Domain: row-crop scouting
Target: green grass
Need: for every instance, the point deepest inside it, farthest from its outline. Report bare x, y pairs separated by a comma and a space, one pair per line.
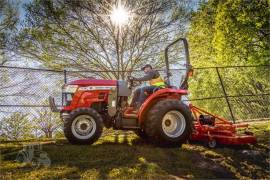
129, 157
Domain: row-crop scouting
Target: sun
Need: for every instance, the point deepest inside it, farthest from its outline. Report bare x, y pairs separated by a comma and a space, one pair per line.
119, 15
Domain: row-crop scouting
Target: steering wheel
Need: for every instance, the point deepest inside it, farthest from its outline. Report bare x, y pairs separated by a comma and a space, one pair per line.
132, 83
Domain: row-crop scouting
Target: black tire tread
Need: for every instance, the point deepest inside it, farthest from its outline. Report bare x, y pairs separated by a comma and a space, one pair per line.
154, 118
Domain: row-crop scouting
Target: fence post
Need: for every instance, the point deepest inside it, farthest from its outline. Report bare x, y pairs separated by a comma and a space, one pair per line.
65, 76
225, 94
65, 81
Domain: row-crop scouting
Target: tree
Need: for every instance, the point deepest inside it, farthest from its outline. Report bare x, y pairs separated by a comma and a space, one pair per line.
80, 35
8, 21
231, 32
12, 84
242, 32
16, 126
47, 122
17, 85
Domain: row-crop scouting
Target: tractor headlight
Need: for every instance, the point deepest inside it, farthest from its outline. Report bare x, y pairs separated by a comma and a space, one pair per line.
70, 88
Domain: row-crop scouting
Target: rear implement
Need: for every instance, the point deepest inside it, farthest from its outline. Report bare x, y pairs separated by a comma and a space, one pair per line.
215, 130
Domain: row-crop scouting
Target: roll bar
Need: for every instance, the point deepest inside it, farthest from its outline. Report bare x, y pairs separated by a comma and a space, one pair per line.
184, 84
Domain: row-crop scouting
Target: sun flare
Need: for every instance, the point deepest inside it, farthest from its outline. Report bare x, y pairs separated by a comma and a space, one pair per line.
119, 15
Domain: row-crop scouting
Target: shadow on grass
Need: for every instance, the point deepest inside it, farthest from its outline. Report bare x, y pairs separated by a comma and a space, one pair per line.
124, 156
121, 157
245, 161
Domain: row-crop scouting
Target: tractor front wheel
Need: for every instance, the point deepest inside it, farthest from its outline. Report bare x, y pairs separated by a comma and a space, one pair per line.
84, 126
169, 123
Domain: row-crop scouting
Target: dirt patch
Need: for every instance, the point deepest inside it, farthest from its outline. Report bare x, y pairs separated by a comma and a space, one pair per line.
212, 166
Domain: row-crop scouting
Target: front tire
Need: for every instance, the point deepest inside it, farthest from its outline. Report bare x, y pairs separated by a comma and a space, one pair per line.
84, 126
169, 123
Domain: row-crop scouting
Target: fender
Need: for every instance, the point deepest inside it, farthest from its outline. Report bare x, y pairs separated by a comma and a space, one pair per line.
160, 94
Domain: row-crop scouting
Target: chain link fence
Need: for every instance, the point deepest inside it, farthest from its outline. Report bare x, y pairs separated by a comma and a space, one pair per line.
239, 93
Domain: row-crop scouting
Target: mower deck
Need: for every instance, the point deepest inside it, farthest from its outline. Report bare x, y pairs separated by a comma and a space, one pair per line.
215, 130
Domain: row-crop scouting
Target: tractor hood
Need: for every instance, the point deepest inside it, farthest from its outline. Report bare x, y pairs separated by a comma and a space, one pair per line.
93, 82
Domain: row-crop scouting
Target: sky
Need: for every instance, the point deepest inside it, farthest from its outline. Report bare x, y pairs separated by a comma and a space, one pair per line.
21, 8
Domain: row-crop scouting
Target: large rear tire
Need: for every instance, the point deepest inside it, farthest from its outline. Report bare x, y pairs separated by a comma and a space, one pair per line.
84, 126
169, 123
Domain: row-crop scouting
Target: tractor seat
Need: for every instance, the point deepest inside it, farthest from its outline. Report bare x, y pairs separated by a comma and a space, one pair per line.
154, 90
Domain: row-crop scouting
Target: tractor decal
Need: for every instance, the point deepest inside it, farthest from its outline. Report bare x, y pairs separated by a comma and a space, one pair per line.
94, 88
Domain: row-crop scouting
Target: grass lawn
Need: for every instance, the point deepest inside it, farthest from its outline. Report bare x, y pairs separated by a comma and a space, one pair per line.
129, 157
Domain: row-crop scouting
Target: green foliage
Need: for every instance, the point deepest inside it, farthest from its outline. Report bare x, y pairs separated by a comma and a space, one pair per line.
47, 122
231, 32
242, 32
226, 33
8, 21
15, 127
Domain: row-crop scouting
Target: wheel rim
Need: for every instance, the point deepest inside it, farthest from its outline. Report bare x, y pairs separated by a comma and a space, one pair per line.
83, 127
173, 124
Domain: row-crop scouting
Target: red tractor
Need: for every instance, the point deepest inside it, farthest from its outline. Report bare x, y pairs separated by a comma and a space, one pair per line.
91, 104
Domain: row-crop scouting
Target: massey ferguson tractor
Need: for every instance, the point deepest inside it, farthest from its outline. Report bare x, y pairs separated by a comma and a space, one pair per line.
163, 118
91, 104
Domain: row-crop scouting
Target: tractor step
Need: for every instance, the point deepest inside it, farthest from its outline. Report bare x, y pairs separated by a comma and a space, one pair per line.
129, 123
130, 116
126, 123
130, 127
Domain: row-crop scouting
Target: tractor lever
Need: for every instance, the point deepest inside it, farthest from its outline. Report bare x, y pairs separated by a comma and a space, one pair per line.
131, 81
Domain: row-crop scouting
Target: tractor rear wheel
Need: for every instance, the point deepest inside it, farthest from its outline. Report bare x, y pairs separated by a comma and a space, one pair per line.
169, 123
84, 126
